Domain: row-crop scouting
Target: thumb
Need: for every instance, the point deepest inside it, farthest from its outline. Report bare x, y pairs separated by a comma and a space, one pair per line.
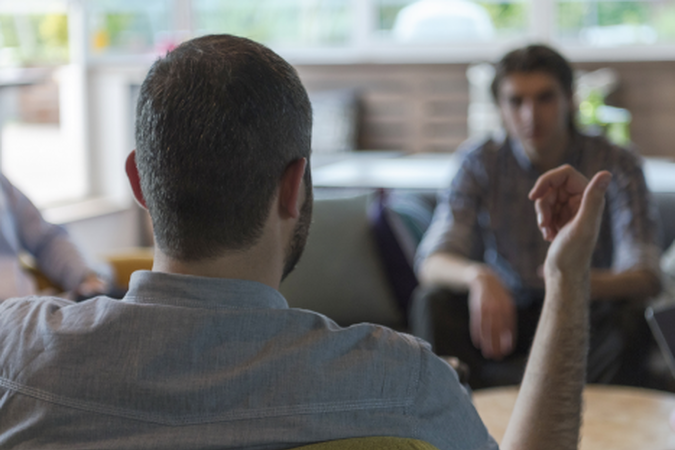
593, 200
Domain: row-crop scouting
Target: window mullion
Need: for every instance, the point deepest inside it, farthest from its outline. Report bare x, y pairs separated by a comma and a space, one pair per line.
73, 95
183, 20
364, 24
542, 20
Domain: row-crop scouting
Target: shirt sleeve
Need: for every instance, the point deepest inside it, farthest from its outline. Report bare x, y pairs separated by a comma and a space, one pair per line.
56, 255
634, 224
454, 226
445, 413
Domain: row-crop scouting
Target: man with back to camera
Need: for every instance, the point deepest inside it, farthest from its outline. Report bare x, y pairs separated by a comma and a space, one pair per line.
203, 352
486, 208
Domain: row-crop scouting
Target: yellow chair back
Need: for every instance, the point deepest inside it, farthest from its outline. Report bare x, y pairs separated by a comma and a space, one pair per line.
371, 443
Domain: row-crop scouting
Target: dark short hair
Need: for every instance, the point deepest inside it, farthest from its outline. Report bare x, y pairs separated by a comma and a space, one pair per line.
218, 121
534, 58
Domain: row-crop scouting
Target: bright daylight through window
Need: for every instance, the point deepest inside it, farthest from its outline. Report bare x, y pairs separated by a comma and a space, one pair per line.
38, 144
615, 23
51, 51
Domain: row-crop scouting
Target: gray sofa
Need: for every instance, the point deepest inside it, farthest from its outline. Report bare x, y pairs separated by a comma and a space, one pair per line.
347, 275
343, 273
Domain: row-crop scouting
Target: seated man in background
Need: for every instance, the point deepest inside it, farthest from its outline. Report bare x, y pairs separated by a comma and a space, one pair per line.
480, 261
22, 229
203, 351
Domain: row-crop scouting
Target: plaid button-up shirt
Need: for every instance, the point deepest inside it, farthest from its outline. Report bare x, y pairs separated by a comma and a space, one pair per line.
486, 215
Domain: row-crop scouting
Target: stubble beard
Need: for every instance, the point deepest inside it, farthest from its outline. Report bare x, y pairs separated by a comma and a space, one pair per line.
300, 234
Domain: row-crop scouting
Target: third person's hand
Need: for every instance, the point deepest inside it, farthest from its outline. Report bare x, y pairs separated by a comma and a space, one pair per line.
492, 315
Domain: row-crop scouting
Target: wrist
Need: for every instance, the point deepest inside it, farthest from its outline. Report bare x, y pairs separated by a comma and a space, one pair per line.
480, 274
572, 284
578, 274
89, 276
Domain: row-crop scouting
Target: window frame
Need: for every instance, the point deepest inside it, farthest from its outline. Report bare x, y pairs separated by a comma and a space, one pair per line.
365, 47
104, 150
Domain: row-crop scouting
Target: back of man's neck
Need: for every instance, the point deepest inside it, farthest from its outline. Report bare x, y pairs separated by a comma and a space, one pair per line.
231, 265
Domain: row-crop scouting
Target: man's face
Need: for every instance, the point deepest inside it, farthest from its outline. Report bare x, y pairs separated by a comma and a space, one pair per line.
535, 110
300, 233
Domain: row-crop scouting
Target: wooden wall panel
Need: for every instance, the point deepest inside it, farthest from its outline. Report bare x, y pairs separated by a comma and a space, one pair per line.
416, 108
647, 90
423, 107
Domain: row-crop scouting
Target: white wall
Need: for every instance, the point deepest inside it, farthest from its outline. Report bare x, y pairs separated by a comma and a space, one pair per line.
109, 220
108, 233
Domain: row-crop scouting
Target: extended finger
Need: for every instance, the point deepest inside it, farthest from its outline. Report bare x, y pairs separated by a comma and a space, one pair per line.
544, 209
475, 328
508, 335
499, 336
592, 202
487, 345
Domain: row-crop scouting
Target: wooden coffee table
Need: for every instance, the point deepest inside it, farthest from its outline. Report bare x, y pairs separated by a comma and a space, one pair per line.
615, 417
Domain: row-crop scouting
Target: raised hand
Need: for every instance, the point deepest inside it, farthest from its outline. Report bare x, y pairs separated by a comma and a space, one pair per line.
569, 212
548, 410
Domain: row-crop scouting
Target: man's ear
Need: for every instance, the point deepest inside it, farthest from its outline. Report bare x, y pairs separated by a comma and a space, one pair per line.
290, 192
134, 179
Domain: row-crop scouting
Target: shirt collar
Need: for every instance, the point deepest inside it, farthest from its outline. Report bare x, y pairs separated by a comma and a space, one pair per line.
519, 153
204, 292
571, 156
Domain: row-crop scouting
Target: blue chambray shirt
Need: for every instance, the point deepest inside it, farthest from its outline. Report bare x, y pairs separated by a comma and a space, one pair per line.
486, 214
22, 228
201, 363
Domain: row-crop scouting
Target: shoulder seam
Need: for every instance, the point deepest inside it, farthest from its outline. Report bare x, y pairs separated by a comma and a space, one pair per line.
93, 407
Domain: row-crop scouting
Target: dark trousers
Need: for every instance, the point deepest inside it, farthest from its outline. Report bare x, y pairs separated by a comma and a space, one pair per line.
617, 351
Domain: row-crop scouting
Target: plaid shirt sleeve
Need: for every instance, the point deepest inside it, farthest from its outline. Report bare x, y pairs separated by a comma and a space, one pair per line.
454, 227
634, 224
24, 227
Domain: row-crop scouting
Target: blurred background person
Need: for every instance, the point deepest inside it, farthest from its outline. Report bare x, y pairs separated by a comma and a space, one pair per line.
23, 229
480, 261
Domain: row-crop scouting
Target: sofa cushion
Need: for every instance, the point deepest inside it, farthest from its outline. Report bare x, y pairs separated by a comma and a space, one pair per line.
340, 273
399, 219
665, 204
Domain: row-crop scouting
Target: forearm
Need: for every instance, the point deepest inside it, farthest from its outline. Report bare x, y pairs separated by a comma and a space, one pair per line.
638, 284
63, 263
548, 410
453, 271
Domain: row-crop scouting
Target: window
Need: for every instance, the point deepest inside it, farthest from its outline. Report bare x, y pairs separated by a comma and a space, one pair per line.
277, 22
38, 143
309, 31
125, 27
33, 33
451, 21
38, 150
610, 23
91, 52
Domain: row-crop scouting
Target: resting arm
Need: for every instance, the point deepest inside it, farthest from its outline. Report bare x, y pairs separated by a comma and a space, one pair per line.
492, 311
548, 409
56, 255
638, 284
632, 218
451, 270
